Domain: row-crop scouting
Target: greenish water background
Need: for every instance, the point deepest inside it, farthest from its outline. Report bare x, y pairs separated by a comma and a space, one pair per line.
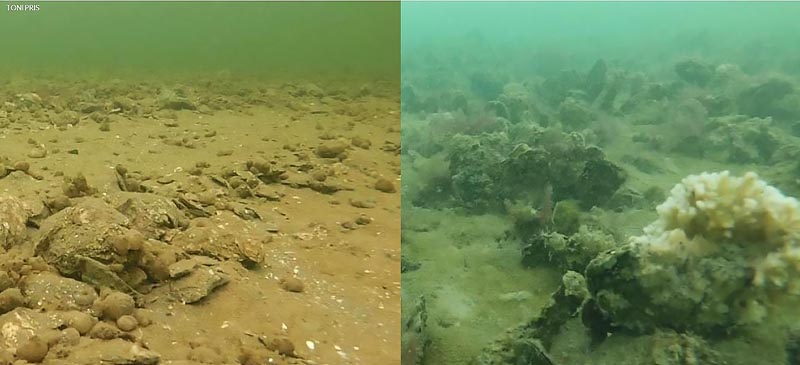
271, 39
558, 20
750, 33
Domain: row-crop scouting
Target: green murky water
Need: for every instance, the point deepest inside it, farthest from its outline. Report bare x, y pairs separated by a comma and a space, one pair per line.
276, 39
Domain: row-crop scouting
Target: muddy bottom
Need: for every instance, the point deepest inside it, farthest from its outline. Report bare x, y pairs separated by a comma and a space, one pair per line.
246, 228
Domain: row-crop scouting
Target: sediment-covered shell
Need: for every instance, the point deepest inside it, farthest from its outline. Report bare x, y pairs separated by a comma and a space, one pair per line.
13, 217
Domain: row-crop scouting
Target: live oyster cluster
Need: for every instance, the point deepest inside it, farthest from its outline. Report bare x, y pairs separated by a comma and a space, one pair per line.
567, 152
120, 245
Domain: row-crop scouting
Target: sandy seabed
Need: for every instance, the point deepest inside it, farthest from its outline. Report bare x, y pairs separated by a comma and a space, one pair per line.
211, 223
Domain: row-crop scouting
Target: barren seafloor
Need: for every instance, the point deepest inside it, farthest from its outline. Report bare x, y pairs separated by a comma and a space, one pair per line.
304, 173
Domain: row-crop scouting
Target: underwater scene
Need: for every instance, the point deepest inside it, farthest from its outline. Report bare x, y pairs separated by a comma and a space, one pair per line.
200, 183
600, 183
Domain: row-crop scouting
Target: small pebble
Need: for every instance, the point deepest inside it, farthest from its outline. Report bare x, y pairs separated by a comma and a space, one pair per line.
283, 346
116, 305
127, 323
11, 298
37, 153
70, 336
385, 185
330, 151
135, 239
105, 331
361, 142
58, 203
143, 317
362, 203
292, 284
120, 245
319, 175
80, 321
50, 336
34, 350
23, 166
363, 220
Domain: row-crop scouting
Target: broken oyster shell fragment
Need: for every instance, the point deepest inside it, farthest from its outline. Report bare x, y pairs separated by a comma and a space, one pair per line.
91, 228
224, 236
14, 216
150, 214
91, 241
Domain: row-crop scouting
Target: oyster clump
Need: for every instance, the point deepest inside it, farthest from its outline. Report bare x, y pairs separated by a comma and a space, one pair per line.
91, 241
13, 218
